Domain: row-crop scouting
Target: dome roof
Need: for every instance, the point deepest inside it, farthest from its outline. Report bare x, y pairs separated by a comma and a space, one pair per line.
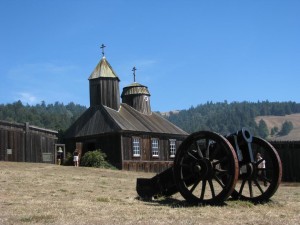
135, 89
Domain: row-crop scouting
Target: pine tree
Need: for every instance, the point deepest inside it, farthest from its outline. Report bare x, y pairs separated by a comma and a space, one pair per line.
263, 129
286, 128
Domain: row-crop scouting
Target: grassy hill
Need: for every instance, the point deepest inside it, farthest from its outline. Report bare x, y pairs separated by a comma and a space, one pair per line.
277, 121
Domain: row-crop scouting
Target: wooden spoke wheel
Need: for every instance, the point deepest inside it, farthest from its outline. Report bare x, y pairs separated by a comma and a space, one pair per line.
259, 180
205, 168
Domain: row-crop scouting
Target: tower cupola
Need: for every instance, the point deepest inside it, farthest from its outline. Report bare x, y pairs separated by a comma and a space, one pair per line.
137, 96
104, 85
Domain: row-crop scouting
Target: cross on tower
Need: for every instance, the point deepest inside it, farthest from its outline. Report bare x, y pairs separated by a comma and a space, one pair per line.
102, 47
134, 69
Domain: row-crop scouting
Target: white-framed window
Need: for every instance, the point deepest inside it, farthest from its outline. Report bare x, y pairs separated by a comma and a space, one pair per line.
136, 147
155, 147
172, 147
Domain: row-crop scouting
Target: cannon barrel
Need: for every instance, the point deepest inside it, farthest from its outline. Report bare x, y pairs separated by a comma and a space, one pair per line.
239, 138
243, 136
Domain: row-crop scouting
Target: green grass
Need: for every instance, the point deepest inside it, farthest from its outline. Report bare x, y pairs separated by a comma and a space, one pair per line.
103, 199
38, 219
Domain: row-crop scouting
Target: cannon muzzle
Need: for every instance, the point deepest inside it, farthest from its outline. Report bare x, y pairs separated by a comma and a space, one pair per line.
239, 138
243, 136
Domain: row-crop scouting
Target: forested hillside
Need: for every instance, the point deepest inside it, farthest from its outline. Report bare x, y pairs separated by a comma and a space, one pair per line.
220, 117
55, 116
229, 117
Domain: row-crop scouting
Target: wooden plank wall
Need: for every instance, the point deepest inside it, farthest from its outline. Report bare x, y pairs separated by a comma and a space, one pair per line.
146, 162
27, 143
138, 102
289, 153
145, 143
105, 91
11, 138
146, 166
109, 144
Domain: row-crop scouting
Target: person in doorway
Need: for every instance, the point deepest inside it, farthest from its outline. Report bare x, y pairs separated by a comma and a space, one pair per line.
58, 159
261, 168
76, 158
59, 156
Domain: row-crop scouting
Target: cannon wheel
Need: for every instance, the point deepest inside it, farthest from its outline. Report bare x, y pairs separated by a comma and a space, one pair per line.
205, 168
258, 184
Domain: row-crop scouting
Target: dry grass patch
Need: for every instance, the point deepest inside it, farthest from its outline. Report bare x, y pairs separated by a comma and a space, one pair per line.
277, 121
51, 194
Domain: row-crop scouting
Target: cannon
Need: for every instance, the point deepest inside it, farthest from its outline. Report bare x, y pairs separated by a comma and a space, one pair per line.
209, 167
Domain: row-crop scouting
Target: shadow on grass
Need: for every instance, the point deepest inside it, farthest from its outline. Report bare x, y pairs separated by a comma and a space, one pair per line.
175, 203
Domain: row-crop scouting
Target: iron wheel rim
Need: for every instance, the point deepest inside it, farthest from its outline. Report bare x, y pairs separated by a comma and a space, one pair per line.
205, 168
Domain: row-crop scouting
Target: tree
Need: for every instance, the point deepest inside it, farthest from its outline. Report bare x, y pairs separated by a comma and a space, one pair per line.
274, 130
263, 129
286, 128
52, 116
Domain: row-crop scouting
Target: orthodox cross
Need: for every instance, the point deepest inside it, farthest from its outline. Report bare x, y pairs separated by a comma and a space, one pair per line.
134, 69
102, 47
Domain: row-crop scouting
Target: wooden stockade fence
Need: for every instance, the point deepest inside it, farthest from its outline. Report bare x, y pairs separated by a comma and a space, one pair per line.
289, 152
27, 143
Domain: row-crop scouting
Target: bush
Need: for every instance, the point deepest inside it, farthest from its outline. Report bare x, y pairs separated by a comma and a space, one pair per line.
95, 158
68, 161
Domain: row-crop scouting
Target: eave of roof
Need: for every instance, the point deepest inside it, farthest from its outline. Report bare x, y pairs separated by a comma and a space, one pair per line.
100, 120
130, 119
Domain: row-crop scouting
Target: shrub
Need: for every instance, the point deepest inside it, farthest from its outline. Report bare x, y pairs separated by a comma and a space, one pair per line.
95, 158
68, 160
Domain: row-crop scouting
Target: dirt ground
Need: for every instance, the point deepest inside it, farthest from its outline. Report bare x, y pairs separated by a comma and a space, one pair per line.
50, 194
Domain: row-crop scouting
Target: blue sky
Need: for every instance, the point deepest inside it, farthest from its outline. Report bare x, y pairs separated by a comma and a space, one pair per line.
186, 52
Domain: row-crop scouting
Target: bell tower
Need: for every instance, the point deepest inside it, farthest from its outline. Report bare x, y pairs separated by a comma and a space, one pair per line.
104, 85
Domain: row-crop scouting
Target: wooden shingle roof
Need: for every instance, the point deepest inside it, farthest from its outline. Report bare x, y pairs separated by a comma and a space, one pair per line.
103, 69
130, 119
100, 119
135, 89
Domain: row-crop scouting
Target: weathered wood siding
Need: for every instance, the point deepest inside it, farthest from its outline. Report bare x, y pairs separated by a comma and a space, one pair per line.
289, 153
109, 144
105, 91
147, 166
146, 162
25, 143
40, 147
12, 143
139, 102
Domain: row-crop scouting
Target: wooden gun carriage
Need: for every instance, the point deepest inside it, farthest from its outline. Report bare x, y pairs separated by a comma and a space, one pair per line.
209, 167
